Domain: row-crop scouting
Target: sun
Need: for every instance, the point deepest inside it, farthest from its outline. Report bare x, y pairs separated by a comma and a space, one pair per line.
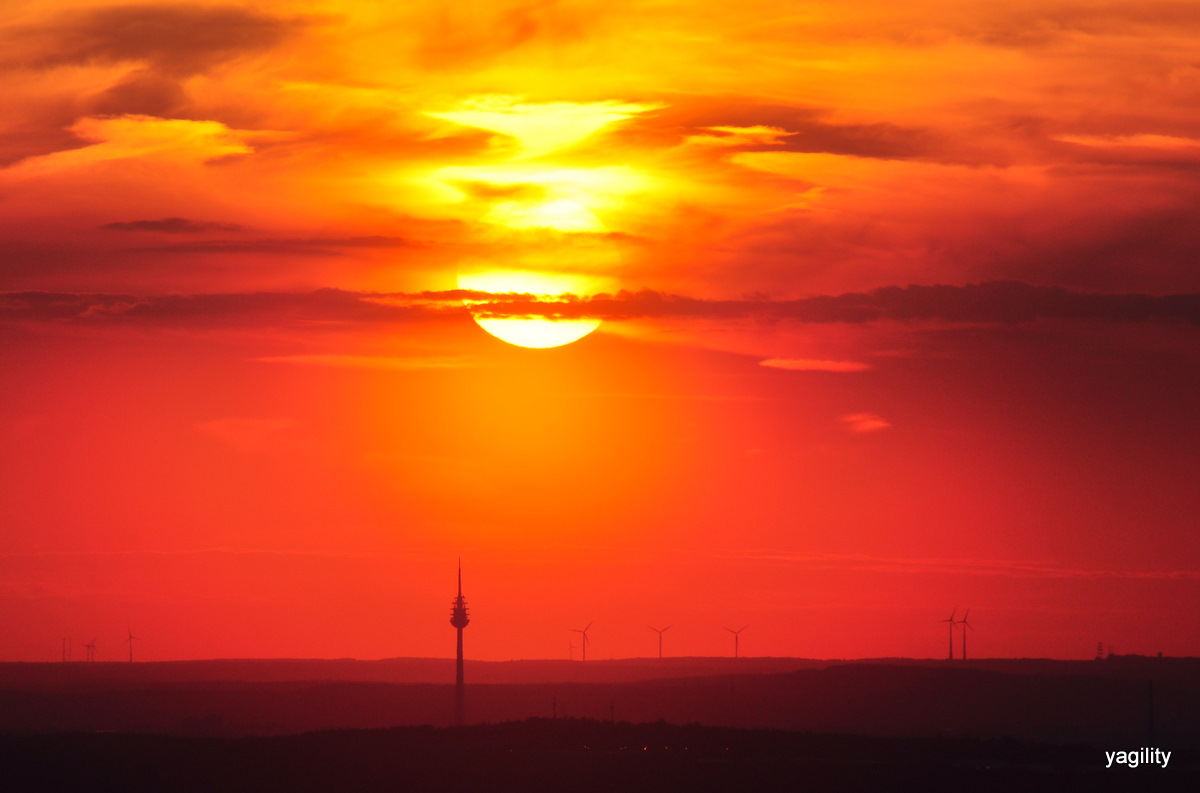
537, 332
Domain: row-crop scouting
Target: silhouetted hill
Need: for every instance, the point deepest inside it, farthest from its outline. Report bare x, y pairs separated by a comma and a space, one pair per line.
1041, 700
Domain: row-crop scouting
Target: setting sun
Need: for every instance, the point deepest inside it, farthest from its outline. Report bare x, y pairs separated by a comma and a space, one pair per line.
529, 331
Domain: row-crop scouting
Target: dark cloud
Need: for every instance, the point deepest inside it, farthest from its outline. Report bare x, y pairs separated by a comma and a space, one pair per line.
300, 246
814, 132
999, 302
178, 40
323, 305
173, 226
170, 43
992, 302
143, 92
34, 140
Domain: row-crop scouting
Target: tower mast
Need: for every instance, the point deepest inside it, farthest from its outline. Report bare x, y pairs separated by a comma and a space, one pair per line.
460, 620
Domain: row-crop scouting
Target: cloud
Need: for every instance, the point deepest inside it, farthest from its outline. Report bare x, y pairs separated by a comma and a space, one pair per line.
1146, 141
813, 365
172, 226
862, 423
298, 246
473, 33
144, 137
992, 302
723, 123
988, 303
942, 566
374, 361
324, 305
179, 40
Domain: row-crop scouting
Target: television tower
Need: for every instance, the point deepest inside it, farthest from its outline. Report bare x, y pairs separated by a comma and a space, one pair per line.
460, 620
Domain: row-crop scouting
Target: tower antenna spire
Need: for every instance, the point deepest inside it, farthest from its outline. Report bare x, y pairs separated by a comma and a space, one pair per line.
459, 619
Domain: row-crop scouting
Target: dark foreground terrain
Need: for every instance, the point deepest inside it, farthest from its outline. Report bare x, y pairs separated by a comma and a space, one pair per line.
569, 755
679, 725
1110, 703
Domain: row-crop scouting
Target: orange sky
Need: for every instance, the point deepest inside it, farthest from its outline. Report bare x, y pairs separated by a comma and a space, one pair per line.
246, 411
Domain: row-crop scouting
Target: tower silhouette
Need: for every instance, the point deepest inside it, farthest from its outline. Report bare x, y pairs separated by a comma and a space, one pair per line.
584, 642
737, 635
951, 623
460, 620
963, 622
660, 632
130, 642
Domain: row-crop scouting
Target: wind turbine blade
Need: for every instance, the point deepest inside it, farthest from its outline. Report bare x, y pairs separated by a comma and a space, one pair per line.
744, 627
664, 630
586, 629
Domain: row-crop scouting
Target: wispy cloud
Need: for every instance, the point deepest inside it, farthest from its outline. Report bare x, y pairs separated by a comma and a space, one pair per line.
814, 365
173, 226
925, 565
374, 361
862, 423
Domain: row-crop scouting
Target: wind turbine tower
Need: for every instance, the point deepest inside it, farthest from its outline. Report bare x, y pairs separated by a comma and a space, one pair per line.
736, 636
130, 642
963, 622
951, 623
460, 620
660, 633
584, 643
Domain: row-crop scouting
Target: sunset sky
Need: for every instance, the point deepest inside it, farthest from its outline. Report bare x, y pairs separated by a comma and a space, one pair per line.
885, 311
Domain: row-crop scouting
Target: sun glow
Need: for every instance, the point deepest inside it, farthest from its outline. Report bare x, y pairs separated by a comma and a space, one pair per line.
560, 215
541, 214
540, 128
537, 332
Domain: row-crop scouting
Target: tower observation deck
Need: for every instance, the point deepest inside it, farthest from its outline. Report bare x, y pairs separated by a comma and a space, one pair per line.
459, 619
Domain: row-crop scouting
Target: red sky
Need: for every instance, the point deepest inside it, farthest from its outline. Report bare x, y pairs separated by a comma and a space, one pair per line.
897, 314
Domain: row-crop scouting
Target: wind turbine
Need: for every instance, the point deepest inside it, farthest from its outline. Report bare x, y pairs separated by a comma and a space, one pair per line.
951, 623
660, 633
571, 645
963, 622
736, 635
584, 643
91, 650
130, 642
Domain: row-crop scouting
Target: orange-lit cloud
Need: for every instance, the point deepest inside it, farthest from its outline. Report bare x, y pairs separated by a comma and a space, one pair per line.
861, 423
814, 365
